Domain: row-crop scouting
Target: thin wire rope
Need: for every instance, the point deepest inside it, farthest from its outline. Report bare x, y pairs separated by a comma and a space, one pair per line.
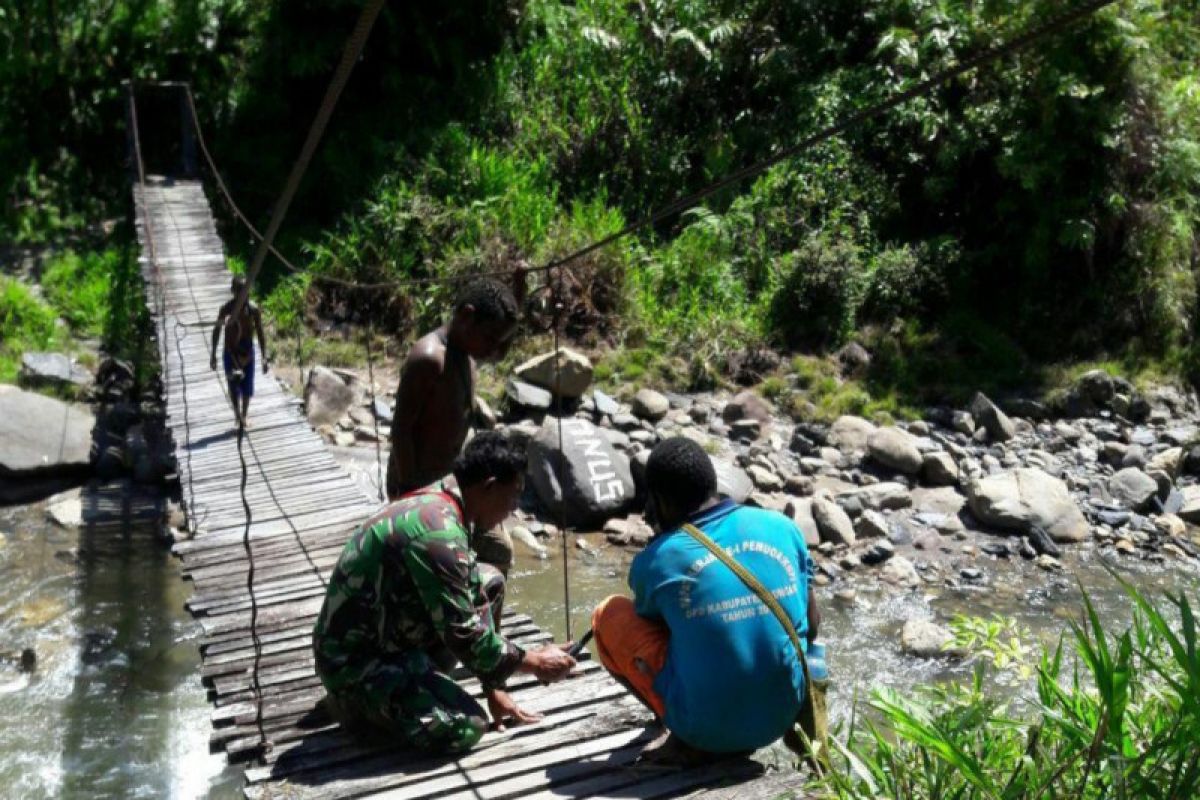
686, 202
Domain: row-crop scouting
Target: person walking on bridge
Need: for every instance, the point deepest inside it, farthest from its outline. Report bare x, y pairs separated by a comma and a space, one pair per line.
696, 644
407, 600
238, 356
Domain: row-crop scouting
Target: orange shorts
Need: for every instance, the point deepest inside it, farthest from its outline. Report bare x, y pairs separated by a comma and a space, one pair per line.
622, 636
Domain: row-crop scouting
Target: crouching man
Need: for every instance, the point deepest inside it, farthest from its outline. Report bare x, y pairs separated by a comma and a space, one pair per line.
695, 643
407, 601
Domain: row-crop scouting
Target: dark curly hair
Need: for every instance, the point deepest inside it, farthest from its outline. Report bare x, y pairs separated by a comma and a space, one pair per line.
489, 455
491, 300
680, 472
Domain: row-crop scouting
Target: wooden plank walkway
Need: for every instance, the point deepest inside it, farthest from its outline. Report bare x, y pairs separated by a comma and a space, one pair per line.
301, 506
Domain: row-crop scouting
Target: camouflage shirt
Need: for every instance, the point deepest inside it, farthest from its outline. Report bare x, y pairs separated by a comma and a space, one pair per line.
406, 581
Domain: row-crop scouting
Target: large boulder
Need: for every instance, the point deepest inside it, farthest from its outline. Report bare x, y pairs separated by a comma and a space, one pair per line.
988, 415
1133, 489
1025, 498
895, 449
850, 434
574, 372
43, 437
588, 481
651, 405
327, 397
52, 370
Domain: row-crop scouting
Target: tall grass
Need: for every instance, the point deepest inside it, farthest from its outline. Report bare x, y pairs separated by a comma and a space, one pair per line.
26, 323
1113, 715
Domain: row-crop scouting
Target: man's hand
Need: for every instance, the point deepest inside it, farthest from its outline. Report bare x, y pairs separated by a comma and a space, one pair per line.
503, 708
549, 664
212, 362
266, 366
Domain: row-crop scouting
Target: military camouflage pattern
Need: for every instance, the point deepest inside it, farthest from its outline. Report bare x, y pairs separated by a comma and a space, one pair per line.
405, 601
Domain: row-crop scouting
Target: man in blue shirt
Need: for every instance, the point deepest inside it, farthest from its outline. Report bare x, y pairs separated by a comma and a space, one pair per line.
695, 643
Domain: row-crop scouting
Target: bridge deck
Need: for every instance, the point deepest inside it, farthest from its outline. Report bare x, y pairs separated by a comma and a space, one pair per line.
301, 506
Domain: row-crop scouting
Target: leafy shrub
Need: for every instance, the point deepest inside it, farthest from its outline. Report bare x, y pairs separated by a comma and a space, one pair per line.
820, 292
1114, 715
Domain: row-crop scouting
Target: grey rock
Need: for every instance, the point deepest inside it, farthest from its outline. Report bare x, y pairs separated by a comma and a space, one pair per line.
526, 395
573, 371
732, 482
963, 422
853, 358
899, 571
1133, 489
1169, 461
605, 404
745, 430
850, 434
327, 397
1041, 542
764, 478
651, 405
997, 549
747, 405
877, 552
1190, 509
42, 437
383, 410
51, 369
971, 574
885, 496
588, 481
832, 522
871, 525
1022, 498
802, 515
895, 449
626, 422
939, 469
925, 639
989, 416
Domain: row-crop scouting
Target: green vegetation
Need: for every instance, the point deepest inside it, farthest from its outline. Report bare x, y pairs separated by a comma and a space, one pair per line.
1040, 209
26, 323
1114, 715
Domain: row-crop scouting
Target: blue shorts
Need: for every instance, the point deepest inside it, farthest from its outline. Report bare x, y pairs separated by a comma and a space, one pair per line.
243, 386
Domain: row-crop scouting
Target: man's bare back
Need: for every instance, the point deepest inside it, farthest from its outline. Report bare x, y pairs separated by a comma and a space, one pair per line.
433, 413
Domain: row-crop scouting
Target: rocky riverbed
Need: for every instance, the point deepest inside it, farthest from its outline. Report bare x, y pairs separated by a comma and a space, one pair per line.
1015, 498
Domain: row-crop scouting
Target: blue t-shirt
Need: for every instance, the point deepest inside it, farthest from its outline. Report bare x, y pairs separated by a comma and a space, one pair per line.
732, 680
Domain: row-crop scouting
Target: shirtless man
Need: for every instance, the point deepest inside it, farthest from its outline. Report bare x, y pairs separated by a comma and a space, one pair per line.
239, 348
436, 396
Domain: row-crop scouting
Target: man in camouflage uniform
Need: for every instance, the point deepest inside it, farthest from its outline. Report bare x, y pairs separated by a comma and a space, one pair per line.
407, 600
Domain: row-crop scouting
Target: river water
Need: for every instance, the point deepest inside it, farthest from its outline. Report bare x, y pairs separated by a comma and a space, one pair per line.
115, 707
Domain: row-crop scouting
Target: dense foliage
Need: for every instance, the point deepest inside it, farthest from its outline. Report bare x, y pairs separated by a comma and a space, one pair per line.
1043, 206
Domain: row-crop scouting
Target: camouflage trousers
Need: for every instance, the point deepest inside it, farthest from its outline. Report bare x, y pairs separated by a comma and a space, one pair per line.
410, 698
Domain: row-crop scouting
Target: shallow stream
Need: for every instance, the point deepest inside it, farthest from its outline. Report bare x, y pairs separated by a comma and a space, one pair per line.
115, 707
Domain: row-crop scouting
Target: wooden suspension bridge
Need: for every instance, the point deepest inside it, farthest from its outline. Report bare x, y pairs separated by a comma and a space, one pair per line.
266, 522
